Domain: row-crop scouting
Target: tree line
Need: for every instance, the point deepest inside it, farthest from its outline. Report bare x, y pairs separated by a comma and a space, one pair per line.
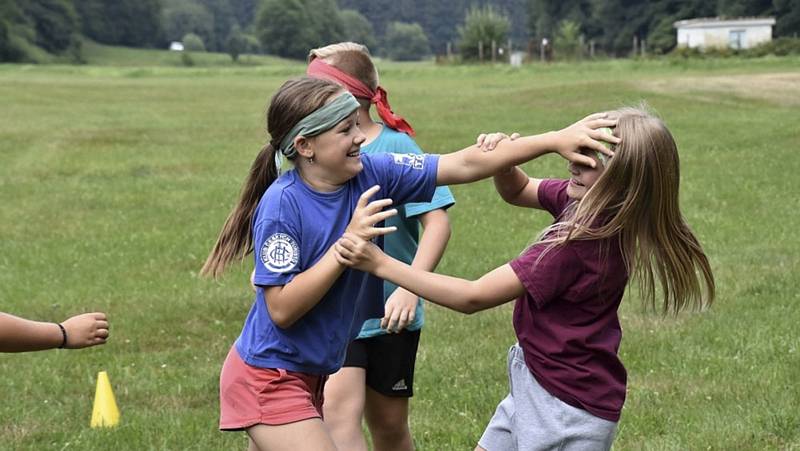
398, 29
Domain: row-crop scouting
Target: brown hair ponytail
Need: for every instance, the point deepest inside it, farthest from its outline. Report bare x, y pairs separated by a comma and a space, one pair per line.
236, 239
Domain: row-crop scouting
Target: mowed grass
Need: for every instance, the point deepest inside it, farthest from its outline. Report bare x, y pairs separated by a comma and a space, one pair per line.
114, 182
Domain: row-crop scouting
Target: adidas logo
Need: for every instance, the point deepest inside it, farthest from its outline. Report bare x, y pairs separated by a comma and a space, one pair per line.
400, 385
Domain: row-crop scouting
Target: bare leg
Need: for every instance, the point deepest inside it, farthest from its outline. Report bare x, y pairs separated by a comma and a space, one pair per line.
387, 418
251, 445
478, 448
306, 435
344, 408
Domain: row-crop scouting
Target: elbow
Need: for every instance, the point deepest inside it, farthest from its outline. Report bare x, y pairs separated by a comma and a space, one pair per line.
472, 301
470, 306
280, 317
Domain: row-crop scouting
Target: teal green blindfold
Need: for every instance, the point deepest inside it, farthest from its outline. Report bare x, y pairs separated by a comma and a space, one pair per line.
320, 121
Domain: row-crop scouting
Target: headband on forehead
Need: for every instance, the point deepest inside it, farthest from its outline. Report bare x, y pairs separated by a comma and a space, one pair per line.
320, 69
321, 120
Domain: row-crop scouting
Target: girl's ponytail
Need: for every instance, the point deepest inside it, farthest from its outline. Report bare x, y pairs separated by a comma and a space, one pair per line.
236, 238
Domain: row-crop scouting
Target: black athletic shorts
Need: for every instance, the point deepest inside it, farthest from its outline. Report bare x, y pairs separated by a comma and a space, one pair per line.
389, 361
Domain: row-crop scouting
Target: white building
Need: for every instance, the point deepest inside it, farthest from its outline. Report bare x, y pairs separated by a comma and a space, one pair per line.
716, 32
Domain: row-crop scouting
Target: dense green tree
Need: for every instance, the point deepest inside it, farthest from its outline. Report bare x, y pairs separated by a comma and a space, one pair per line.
406, 42
55, 23
133, 23
185, 16
290, 28
567, 41
744, 8
482, 26
222, 21
244, 11
236, 44
788, 17
358, 29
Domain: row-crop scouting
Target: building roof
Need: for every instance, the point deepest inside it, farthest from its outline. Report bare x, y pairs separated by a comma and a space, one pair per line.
713, 22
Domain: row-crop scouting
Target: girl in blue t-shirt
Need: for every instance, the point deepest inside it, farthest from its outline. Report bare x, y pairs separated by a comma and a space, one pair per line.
615, 218
308, 305
377, 377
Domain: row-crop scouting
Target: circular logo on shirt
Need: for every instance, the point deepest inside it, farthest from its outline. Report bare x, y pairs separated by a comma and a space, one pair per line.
280, 253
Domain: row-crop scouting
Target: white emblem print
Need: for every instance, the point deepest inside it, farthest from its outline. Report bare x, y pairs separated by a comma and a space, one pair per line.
280, 253
409, 159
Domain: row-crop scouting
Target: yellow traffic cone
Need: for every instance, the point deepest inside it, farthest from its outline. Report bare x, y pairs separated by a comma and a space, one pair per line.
105, 412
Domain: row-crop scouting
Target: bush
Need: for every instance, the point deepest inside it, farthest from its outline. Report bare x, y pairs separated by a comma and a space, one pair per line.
777, 47
236, 43
290, 28
358, 29
482, 25
568, 39
406, 42
193, 43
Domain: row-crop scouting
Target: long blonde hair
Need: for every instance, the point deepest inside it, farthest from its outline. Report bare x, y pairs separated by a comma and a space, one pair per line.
636, 197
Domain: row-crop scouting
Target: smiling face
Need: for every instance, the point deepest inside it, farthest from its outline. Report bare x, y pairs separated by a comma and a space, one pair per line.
337, 152
583, 177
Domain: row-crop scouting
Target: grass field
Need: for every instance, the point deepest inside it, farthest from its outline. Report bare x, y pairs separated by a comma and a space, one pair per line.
115, 178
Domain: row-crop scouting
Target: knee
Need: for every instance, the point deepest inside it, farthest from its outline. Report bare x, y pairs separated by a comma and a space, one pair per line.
388, 427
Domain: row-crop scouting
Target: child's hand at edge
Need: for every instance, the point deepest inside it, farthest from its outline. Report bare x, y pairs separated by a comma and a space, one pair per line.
87, 329
356, 252
584, 134
367, 214
399, 311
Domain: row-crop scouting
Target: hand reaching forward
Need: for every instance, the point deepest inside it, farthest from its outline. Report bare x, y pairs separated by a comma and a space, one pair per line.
86, 330
585, 135
367, 214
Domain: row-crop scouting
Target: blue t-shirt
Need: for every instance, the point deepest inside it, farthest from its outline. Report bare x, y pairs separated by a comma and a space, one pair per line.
293, 227
402, 244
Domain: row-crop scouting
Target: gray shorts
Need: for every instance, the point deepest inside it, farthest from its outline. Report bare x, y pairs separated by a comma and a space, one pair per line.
530, 418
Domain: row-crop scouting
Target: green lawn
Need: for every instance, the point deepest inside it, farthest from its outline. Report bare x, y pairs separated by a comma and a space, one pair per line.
116, 176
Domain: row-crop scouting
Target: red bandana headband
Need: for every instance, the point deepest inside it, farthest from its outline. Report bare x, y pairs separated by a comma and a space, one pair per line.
320, 69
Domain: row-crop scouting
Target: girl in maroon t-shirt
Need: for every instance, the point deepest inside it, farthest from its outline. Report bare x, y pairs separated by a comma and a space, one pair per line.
617, 218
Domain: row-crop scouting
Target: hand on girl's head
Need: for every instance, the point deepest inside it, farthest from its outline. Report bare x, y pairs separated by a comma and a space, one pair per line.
585, 135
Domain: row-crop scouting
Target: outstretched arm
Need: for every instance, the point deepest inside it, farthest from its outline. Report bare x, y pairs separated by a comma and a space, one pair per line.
472, 163
494, 288
402, 304
21, 335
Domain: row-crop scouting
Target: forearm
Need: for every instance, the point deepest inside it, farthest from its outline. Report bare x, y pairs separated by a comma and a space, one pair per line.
472, 163
21, 335
435, 236
510, 183
495, 288
440, 289
290, 302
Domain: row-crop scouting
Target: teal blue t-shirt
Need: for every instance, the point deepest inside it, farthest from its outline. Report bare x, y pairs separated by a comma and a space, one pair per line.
402, 244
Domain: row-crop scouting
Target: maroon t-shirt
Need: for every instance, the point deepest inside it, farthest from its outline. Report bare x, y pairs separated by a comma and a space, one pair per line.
567, 322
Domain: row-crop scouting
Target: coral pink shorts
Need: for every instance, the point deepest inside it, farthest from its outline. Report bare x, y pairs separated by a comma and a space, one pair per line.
250, 395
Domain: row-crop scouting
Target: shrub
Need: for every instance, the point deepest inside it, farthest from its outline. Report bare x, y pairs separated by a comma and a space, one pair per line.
406, 42
193, 43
